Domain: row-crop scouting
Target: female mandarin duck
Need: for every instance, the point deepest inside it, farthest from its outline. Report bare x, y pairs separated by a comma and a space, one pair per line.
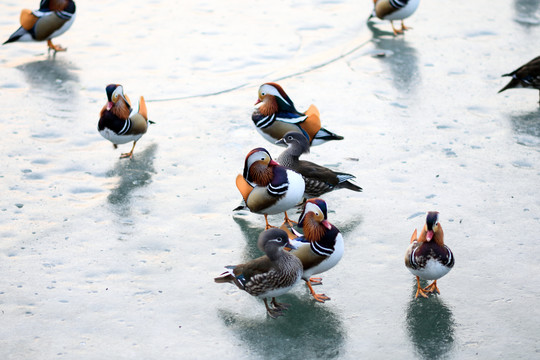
319, 179
275, 115
320, 248
53, 18
267, 187
427, 257
268, 276
394, 10
527, 76
118, 123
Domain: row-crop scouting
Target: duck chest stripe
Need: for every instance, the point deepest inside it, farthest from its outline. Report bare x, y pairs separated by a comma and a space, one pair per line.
398, 4
126, 128
64, 15
321, 250
449, 255
278, 190
266, 121
413, 262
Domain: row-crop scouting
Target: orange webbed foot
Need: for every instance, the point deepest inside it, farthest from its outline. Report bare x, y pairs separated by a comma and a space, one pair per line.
127, 155
267, 226
419, 290
315, 281
55, 48
404, 28
432, 288
288, 221
318, 297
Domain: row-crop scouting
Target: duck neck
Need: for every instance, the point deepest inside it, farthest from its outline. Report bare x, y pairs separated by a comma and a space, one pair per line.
261, 174
268, 106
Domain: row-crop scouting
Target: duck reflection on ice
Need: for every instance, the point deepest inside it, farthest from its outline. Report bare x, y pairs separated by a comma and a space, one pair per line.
51, 75
307, 331
527, 13
134, 173
251, 231
401, 58
527, 125
430, 325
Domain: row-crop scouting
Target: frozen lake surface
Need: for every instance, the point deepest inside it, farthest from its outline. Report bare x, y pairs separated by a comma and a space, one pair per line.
107, 258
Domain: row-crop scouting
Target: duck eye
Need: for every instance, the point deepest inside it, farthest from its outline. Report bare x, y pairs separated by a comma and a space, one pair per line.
263, 93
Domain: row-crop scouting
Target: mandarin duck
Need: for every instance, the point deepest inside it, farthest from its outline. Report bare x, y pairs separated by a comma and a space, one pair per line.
526, 76
120, 124
394, 10
267, 187
427, 257
275, 115
52, 19
320, 247
319, 179
270, 275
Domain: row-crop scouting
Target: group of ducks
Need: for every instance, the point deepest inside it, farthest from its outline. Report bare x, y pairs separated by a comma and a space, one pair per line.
272, 187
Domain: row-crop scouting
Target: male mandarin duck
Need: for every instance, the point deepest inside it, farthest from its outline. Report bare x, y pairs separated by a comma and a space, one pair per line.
275, 115
427, 257
118, 123
394, 10
53, 18
267, 187
319, 179
527, 76
270, 275
320, 247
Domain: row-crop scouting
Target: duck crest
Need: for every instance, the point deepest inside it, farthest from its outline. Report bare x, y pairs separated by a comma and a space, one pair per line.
283, 94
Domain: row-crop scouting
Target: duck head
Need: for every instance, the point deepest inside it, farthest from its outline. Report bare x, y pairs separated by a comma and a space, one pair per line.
274, 98
257, 167
432, 224
115, 93
272, 240
297, 142
314, 216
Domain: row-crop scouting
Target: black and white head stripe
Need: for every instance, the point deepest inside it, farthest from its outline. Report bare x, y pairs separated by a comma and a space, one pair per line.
275, 90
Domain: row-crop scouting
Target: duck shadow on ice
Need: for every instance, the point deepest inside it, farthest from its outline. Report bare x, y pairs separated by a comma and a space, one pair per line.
56, 75
133, 173
430, 326
251, 230
527, 12
526, 127
399, 56
307, 331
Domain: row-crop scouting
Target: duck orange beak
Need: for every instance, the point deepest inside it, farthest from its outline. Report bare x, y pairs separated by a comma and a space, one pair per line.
258, 101
273, 163
429, 235
110, 104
